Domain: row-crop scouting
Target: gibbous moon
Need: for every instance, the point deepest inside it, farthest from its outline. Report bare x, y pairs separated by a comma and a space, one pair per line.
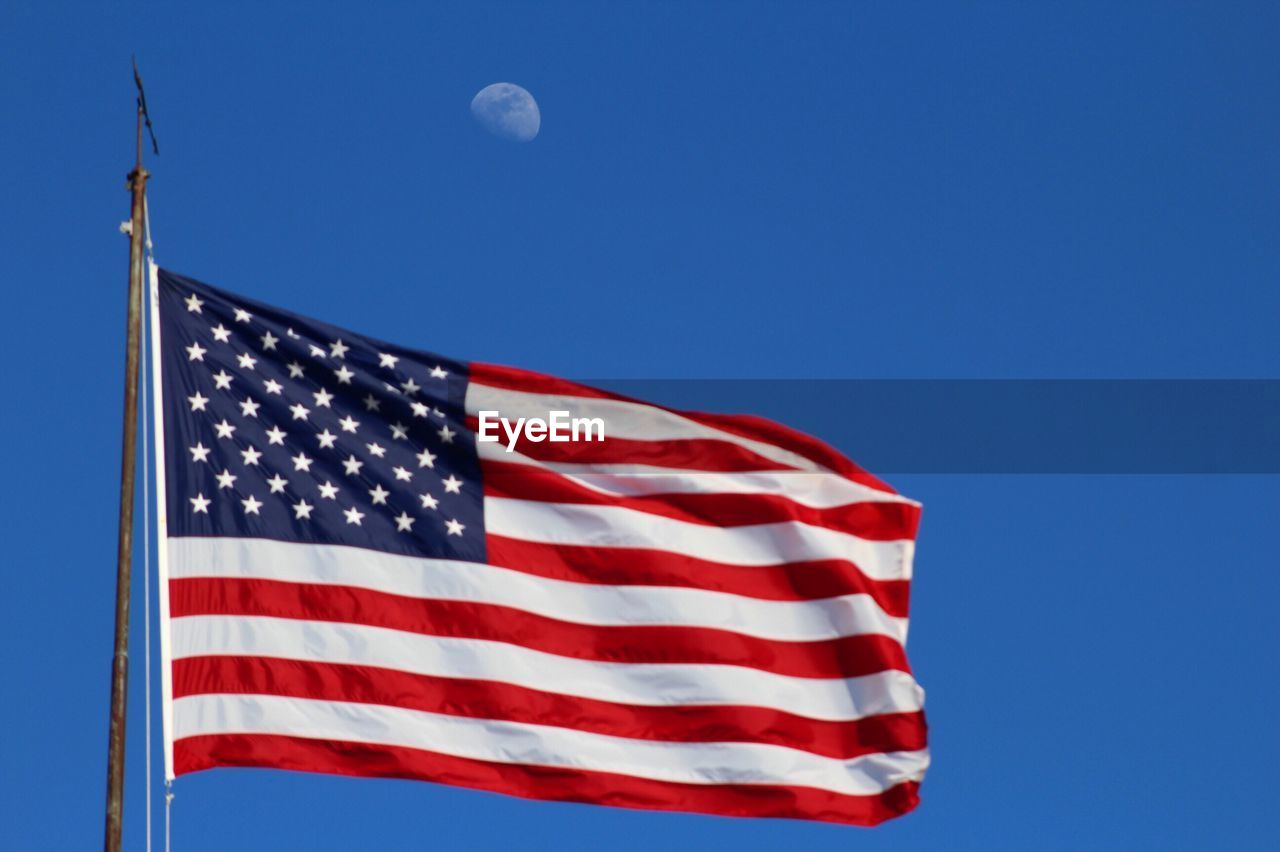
506, 110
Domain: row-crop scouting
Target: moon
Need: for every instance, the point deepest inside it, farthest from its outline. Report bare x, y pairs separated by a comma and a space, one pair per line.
507, 110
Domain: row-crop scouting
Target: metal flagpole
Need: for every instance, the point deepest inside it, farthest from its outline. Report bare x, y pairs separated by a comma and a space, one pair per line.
137, 183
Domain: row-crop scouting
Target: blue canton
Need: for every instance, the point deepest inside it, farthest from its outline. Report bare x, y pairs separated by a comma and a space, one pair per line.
286, 428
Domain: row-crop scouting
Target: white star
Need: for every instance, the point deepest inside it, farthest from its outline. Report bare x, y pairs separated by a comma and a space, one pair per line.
317, 352
197, 402
199, 452
301, 462
323, 398
242, 315
371, 403
454, 527
269, 342
251, 505
222, 380
353, 466
390, 387
194, 303
326, 439
272, 386
275, 435
328, 491
221, 333
426, 458
404, 523
338, 349
277, 484
388, 361
251, 455
453, 485
291, 333
302, 510
429, 502
420, 409
409, 386
225, 479
247, 361
295, 370
446, 434
200, 504
438, 413
379, 495
353, 515
344, 375
377, 449
402, 474
249, 408
224, 429
399, 431
348, 424
300, 411
195, 352
438, 373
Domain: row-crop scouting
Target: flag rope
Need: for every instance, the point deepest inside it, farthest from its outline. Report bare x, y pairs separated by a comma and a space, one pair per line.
146, 550
146, 563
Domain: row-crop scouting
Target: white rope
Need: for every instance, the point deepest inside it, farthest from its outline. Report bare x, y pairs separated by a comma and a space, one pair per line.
146, 540
168, 784
168, 810
146, 550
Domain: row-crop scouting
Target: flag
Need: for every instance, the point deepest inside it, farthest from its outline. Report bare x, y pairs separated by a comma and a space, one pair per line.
667, 610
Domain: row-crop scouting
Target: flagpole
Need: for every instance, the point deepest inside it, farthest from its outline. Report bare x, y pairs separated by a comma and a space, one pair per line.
137, 183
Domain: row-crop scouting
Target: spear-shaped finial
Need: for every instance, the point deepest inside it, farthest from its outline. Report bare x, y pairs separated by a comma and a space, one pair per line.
142, 107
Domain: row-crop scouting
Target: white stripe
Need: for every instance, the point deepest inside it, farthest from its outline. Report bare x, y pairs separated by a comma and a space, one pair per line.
581, 603
755, 544
543, 745
817, 490
647, 684
632, 420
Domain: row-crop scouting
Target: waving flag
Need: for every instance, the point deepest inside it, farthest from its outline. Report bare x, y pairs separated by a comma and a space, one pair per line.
683, 612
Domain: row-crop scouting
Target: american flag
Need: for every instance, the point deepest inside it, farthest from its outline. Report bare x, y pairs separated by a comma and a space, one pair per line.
698, 613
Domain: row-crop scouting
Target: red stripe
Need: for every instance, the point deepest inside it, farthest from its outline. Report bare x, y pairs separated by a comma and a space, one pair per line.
704, 454
193, 754
849, 656
743, 425
870, 520
630, 566
480, 699
807, 446
513, 378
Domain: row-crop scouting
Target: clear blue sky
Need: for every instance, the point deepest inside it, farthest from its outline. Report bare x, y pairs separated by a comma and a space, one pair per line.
786, 190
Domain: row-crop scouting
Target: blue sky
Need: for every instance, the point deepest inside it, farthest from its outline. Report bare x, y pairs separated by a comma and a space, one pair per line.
737, 190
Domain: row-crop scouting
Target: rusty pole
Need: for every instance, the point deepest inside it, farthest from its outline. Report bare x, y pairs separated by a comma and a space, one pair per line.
137, 183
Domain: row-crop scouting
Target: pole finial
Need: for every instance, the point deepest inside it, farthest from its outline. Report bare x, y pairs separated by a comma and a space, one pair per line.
142, 107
